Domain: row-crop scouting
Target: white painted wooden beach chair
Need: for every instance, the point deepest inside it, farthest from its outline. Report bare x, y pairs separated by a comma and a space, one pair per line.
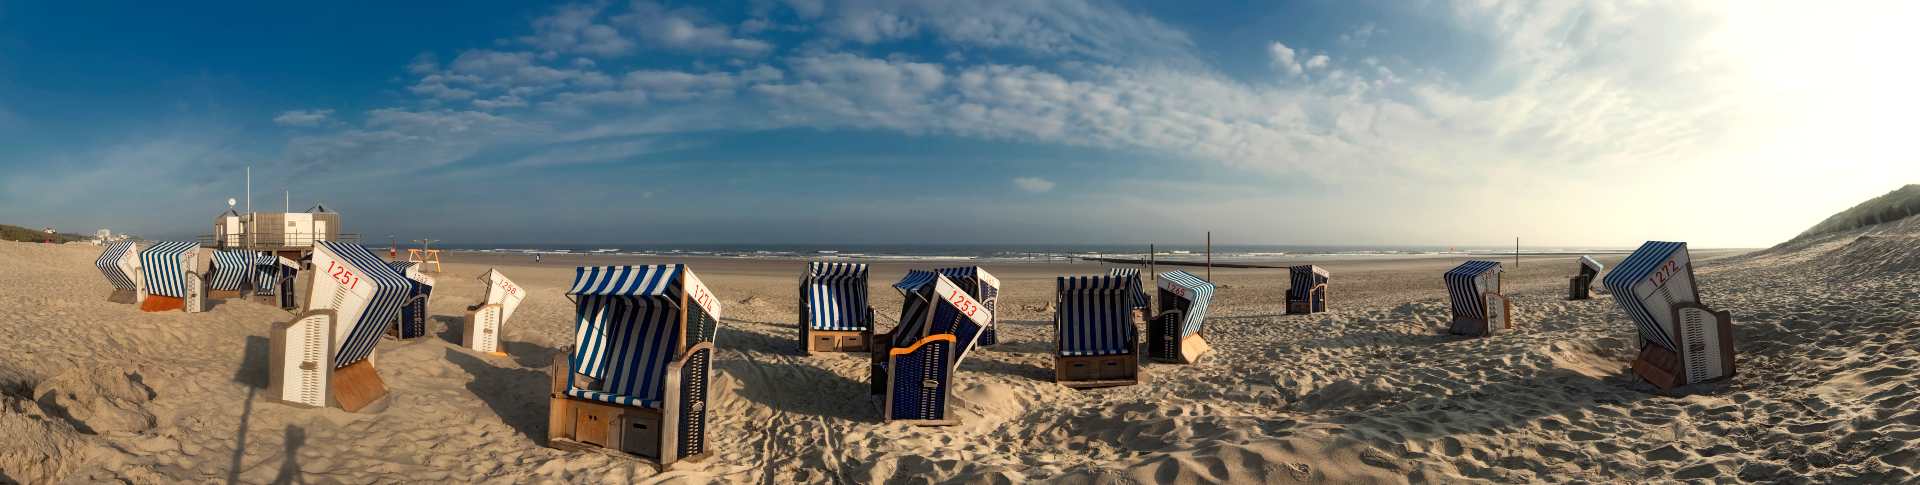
1095, 341
914, 363
1174, 333
175, 277
487, 319
635, 383
120, 263
325, 355
1580, 286
1479, 308
834, 312
411, 323
1682, 340
1307, 292
983, 287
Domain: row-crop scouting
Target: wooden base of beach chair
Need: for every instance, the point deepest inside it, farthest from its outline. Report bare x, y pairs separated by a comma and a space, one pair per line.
1090, 371
1499, 312
836, 340
659, 437
1315, 302
358, 385
157, 303
223, 294
1192, 348
1578, 288
123, 296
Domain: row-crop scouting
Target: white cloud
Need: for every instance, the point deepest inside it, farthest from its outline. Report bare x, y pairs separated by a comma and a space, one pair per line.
1318, 62
585, 154
302, 117
684, 29
1359, 36
1033, 184
574, 29
1283, 57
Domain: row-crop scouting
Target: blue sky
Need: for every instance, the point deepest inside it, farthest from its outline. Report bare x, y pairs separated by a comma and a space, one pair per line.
818, 121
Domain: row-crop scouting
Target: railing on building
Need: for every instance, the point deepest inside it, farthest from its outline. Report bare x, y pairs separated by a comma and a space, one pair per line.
271, 242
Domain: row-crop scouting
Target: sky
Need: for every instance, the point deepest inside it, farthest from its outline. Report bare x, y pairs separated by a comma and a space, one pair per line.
1469, 123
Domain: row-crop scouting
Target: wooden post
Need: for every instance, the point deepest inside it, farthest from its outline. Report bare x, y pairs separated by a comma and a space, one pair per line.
1209, 256
1516, 252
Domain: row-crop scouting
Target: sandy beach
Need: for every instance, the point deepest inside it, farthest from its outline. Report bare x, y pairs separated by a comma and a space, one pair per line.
1372, 391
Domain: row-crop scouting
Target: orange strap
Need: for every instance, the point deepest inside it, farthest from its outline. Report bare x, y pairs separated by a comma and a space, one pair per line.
949, 338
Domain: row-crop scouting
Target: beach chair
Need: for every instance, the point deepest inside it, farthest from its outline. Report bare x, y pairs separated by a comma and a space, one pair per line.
120, 262
485, 319
411, 323
230, 272
983, 287
325, 355
635, 383
1173, 335
1095, 341
1308, 292
834, 314
1580, 285
914, 364
175, 277
1682, 340
273, 279
1479, 308
1135, 293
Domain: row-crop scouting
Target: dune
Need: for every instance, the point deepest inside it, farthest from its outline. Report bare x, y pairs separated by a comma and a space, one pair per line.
1370, 392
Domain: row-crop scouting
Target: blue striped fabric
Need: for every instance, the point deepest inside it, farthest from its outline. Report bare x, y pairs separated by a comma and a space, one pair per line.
1639, 266
230, 270
390, 291
160, 264
836, 296
1095, 315
401, 266
109, 264
1197, 290
1139, 294
627, 330
916, 289
267, 271
1469, 299
1304, 278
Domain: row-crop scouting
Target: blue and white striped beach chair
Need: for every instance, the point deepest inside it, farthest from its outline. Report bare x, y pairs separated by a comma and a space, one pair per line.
834, 313
1095, 341
983, 287
1479, 308
1308, 292
1579, 286
412, 321
273, 278
914, 364
1173, 335
636, 379
231, 270
325, 356
1682, 340
174, 273
486, 319
120, 263
1137, 292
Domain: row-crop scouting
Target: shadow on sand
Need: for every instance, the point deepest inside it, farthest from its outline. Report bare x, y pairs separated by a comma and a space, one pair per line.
517, 395
772, 376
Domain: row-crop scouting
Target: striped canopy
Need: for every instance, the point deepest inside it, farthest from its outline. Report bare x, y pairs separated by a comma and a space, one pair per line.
1138, 295
1467, 285
1648, 283
111, 264
1197, 292
161, 265
230, 270
925, 291
1304, 278
267, 271
378, 294
836, 296
628, 328
402, 266
1589, 265
1096, 314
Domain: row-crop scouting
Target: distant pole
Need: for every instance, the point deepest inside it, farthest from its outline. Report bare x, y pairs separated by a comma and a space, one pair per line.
1151, 271
1516, 252
1209, 255
250, 228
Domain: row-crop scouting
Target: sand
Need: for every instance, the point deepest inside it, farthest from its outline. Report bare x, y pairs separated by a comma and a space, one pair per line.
1372, 391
